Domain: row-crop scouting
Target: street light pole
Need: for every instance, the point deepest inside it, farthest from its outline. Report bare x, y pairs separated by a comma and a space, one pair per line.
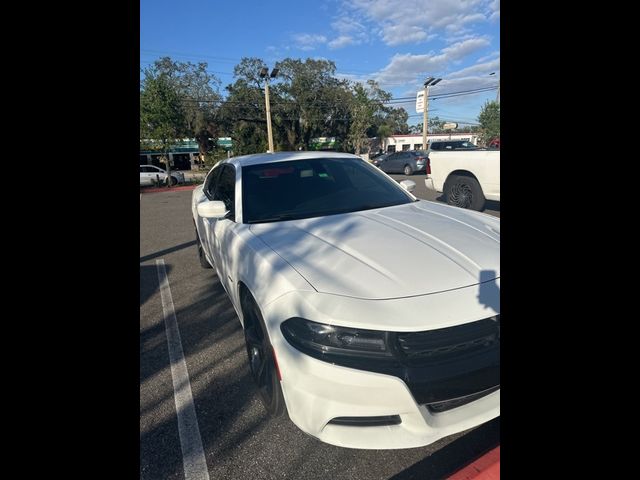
263, 74
498, 94
429, 82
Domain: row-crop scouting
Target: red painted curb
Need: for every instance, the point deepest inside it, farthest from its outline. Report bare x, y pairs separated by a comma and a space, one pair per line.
487, 467
166, 189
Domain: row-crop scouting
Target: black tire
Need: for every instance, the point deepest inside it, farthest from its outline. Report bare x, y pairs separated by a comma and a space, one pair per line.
203, 260
174, 181
464, 192
408, 170
261, 360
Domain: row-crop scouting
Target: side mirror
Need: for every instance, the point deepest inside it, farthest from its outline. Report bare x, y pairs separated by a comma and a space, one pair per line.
408, 185
212, 209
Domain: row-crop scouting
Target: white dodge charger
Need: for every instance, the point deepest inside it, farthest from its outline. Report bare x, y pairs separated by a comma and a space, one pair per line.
371, 317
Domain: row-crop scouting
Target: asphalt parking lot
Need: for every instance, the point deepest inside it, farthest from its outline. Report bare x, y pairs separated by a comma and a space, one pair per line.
224, 430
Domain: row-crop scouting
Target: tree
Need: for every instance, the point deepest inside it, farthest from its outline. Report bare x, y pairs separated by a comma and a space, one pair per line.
416, 129
435, 125
489, 120
162, 117
367, 102
312, 102
198, 91
243, 114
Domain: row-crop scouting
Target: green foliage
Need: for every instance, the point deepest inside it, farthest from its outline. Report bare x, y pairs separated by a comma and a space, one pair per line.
162, 116
198, 91
489, 120
435, 125
307, 101
367, 103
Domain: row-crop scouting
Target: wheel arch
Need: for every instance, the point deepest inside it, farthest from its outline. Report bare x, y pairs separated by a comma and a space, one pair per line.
243, 291
462, 173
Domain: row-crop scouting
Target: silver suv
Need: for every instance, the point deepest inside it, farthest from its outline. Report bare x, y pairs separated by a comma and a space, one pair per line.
407, 162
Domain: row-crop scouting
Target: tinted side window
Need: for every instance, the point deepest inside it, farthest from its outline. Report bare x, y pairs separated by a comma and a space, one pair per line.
226, 189
211, 183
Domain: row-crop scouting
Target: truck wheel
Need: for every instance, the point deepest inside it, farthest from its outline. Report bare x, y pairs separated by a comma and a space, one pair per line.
464, 192
408, 170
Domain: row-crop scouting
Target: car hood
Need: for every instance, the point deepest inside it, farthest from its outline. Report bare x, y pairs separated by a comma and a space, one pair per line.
405, 250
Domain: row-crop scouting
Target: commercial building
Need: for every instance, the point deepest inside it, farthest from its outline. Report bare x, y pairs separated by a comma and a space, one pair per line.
397, 143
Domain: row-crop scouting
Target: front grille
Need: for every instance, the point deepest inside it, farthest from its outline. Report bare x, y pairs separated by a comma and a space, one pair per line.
458, 402
451, 342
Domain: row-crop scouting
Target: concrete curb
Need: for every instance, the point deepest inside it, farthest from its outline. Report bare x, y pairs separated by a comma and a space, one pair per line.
487, 467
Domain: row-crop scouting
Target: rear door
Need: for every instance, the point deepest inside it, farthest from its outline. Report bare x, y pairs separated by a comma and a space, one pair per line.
384, 166
148, 174
401, 160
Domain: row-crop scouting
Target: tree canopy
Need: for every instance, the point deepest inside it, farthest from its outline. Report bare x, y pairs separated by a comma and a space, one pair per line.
307, 100
489, 120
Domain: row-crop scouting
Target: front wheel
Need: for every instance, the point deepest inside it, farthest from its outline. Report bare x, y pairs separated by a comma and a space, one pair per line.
464, 192
408, 170
261, 359
174, 181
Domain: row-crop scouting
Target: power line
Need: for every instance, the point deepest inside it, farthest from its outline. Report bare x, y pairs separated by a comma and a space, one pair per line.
235, 60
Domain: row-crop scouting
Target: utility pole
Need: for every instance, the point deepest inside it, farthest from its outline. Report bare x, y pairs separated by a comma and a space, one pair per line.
428, 83
263, 74
424, 118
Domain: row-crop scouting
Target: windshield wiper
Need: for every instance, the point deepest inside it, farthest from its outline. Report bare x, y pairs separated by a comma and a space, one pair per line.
277, 218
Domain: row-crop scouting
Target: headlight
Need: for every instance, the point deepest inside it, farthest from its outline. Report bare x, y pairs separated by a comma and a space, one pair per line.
323, 341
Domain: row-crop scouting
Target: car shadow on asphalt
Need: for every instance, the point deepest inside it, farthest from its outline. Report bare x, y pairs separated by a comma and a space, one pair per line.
489, 205
454, 456
222, 386
166, 251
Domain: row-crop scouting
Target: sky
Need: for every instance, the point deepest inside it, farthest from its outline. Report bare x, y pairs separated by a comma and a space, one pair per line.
397, 43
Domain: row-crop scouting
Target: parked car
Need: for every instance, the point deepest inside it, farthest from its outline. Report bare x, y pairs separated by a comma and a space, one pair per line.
452, 145
369, 316
152, 175
494, 144
466, 177
379, 159
407, 162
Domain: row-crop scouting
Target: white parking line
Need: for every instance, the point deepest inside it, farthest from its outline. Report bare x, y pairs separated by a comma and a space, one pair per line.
193, 459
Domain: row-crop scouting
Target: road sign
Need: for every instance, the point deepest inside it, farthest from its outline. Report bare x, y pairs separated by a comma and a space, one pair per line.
225, 142
449, 126
420, 102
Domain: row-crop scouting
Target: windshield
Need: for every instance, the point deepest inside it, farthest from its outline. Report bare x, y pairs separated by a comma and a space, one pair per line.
315, 187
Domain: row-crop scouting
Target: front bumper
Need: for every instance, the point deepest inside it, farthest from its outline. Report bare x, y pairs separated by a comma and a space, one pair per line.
316, 391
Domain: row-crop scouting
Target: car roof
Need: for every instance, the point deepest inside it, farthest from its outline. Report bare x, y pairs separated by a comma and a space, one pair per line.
263, 158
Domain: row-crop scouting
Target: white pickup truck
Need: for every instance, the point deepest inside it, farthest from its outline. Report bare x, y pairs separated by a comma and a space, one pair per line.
466, 177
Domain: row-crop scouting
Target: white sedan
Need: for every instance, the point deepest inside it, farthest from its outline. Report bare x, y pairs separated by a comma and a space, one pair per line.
152, 175
371, 317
